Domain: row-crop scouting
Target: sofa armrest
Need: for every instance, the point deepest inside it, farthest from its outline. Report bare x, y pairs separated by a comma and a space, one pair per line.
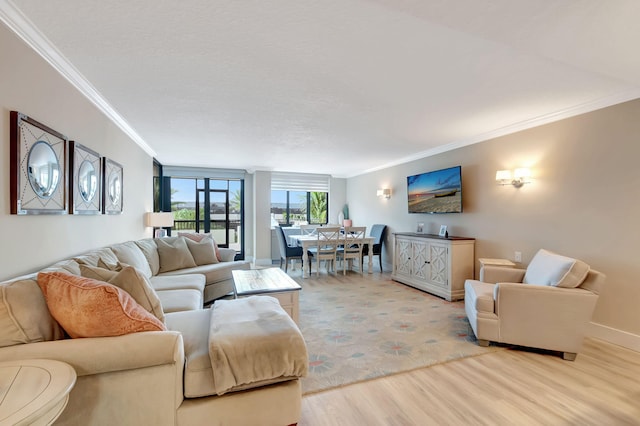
543, 316
227, 254
98, 355
498, 274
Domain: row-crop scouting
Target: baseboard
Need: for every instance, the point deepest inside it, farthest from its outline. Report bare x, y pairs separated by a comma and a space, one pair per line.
263, 262
615, 336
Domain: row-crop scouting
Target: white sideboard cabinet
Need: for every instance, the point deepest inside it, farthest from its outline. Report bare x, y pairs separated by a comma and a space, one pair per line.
438, 265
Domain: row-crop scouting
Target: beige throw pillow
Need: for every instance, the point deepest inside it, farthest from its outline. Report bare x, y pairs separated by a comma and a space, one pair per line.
24, 316
174, 254
117, 267
202, 251
199, 237
96, 272
138, 286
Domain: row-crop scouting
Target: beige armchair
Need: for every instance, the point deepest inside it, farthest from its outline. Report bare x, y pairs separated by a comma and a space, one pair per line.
547, 306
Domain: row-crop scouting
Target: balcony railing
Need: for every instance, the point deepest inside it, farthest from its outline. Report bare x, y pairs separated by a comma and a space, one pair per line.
218, 229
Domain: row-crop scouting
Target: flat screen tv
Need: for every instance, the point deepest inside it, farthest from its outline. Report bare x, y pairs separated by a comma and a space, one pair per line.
439, 191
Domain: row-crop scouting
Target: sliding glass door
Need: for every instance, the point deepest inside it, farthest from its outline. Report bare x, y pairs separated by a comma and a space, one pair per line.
208, 205
214, 218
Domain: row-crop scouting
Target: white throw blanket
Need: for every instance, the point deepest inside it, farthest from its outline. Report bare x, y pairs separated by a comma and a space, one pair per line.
254, 341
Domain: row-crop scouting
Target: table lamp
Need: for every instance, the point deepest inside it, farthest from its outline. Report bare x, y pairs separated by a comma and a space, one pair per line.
159, 220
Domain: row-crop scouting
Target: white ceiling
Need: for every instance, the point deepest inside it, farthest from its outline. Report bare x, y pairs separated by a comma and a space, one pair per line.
334, 86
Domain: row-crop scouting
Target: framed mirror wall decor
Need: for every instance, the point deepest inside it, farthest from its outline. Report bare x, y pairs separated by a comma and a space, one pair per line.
38, 164
112, 179
86, 182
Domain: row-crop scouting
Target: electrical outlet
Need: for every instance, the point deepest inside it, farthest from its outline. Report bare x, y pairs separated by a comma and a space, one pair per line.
518, 256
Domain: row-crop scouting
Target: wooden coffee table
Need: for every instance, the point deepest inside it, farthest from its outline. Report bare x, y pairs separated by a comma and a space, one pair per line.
270, 282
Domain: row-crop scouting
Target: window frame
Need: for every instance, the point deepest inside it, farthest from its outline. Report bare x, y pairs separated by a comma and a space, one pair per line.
287, 210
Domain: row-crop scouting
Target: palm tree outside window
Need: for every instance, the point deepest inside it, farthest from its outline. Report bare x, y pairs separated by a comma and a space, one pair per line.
291, 207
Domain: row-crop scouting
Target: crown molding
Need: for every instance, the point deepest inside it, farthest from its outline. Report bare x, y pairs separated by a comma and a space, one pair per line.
17, 22
573, 111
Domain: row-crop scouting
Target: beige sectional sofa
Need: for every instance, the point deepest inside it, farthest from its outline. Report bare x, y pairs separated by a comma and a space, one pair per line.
149, 377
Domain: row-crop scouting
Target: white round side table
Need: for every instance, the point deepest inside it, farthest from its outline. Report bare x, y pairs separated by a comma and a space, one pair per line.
34, 391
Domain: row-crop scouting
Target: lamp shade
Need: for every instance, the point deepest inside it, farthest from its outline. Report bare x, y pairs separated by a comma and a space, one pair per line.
522, 173
158, 219
503, 175
384, 192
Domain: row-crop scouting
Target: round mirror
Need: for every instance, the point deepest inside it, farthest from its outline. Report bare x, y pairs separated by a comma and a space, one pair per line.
115, 186
43, 169
87, 180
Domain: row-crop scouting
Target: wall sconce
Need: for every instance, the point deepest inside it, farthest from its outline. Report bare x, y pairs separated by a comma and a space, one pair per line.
518, 178
386, 193
159, 220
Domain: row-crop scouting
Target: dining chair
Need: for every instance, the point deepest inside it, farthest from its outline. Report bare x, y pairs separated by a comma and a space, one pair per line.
351, 247
308, 229
328, 239
288, 252
377, 232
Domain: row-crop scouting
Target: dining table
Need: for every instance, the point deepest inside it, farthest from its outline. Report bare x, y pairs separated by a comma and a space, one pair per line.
308, 241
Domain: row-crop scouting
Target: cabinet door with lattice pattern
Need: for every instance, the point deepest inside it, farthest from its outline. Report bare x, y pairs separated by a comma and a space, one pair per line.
438, 271
403, 257
420, 261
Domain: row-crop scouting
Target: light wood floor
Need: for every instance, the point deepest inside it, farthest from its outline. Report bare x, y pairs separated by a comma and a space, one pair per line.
508, 387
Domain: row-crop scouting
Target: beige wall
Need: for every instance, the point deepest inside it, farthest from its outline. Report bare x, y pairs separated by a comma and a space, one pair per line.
337, 198
583, 202
29, 85
262, 217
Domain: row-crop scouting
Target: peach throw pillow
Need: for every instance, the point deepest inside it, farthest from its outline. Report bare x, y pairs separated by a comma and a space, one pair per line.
85, 307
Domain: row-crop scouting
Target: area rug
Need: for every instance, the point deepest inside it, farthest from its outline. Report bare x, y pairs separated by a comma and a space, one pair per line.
359, 330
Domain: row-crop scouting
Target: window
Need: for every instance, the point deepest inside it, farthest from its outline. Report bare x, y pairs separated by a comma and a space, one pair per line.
295, 207
299, 198
208, 205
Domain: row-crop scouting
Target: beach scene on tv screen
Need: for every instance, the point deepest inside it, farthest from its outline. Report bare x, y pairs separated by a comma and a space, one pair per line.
435, 192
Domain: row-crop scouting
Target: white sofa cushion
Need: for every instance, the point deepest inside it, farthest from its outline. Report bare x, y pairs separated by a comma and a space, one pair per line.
178, 282
219, 277
225, 254
551, 269
131, 254
479, 295
213, 273
180, 300
194, 326
103, 255
150, 251
69, 265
